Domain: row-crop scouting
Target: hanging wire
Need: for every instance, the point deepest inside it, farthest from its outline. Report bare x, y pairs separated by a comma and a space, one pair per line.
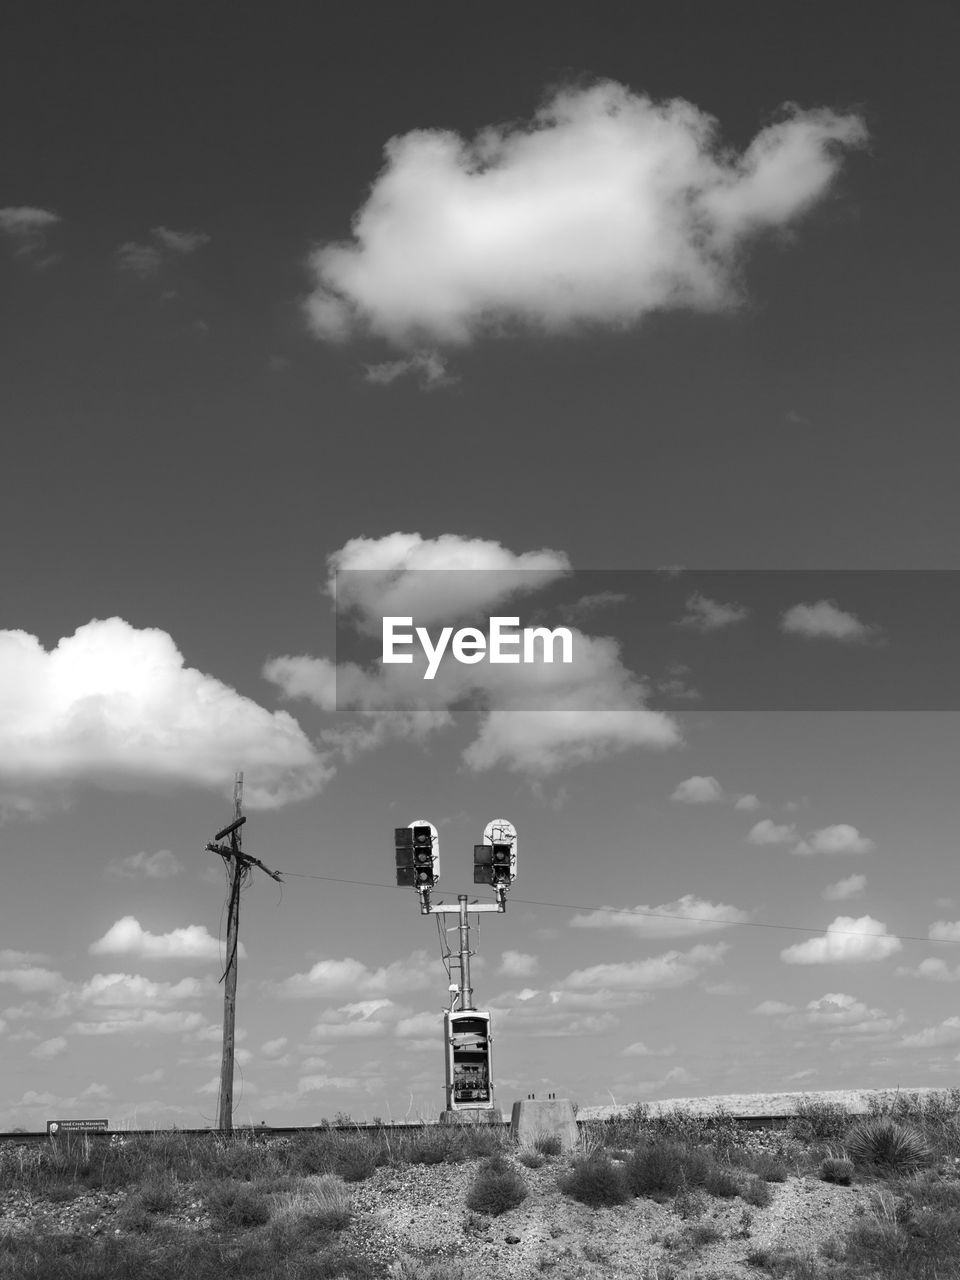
660, 915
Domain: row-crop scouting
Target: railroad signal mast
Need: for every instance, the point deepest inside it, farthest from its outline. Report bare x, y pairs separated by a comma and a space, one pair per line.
467, 1038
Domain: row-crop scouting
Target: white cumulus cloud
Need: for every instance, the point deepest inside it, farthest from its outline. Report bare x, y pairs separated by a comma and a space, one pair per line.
536, 717
117, 707
27, 228
704, 614
688, 915
768, 832
773, 1008
155, 866
933, 969
848, 888
697, 790
433, 579
846, 941
945, 1032
944, 931
826, 620
191, 942
672, 969
349, 976
840, 838
48, 1049
603, 208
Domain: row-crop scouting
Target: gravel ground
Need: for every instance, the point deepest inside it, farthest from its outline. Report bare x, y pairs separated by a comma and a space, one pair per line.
420, 1211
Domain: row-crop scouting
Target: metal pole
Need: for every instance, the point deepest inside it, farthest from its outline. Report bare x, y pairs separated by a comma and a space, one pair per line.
466, 990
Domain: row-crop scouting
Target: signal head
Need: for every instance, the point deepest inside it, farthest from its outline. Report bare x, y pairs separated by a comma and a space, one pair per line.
495, 861
418, 859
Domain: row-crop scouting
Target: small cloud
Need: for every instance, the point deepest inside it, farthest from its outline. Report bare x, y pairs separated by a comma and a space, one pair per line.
698, 790
826, 620
688, 915
349, 976
944, 931
772, 1008
180, 243
848, 888
26, 228
48, 1049
640, 1050
747, 804
140, 259
151, 1077
273, 1048
599, 600
841, 838
155, 866
840, 1012
945, 1032
319, 1084
517, 964
704, 614
672, 969
933, 969
846, 941
428, 366
768, 832
146, 258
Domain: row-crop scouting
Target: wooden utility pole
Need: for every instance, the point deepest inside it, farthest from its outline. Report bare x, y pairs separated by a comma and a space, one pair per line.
239, 870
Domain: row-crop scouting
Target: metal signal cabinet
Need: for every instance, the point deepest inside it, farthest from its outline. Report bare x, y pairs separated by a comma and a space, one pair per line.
469, 1061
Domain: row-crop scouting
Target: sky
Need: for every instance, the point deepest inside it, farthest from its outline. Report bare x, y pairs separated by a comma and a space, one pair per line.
626, 318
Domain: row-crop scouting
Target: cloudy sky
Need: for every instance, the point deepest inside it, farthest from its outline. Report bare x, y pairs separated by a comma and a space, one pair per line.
585, 320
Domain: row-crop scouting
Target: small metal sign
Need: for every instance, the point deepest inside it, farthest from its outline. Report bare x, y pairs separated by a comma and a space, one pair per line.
55, 1127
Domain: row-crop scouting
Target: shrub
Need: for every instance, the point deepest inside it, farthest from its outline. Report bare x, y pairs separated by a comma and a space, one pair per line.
661, 1169
656, 1170
312, 1153
816, 1120
548, 1144
886, 1144
321, 1205
479, 1140
595, 1180
765, 1165
834, 1169
497, 1188
355, 1158
159, 1195
430, 1146
703, 1233
722, 1182
757, 1192
236, 1204
530, 1157
690, 1203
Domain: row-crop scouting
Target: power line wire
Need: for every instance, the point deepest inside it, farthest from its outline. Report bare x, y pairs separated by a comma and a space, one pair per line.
662, 915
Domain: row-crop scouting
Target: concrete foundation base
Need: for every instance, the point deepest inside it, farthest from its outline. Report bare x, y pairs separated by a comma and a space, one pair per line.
532, 1119
479, 1115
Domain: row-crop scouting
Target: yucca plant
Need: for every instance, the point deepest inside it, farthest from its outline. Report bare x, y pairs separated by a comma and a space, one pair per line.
885, 1143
